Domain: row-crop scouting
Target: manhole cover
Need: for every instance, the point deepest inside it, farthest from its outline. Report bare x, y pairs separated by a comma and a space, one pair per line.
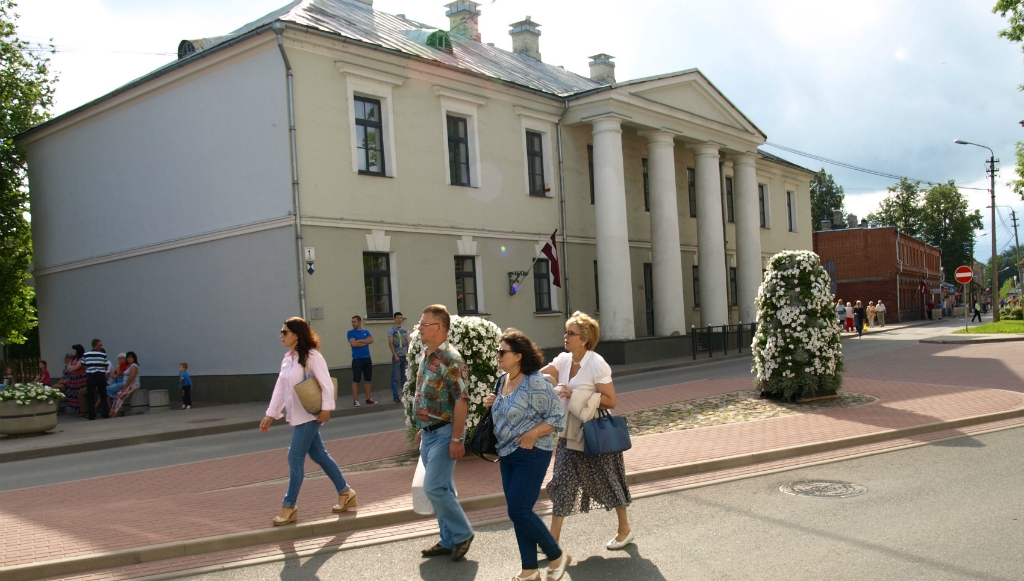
204, 421
823, 489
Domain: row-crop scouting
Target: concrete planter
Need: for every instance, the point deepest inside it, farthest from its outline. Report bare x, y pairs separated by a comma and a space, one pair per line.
33, 418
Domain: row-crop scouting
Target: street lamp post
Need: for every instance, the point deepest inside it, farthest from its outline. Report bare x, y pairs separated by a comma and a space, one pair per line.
995, 257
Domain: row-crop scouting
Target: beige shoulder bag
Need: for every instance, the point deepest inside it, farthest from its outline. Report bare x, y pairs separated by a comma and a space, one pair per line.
310, 394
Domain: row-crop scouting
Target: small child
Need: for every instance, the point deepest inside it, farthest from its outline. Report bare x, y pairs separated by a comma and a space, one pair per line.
8, 377
185, 381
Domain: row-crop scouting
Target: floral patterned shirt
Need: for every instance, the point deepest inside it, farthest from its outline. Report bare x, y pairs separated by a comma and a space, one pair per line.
534, 402
440, 383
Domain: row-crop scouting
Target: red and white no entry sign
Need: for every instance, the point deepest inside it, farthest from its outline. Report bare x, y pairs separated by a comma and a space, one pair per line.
964, 274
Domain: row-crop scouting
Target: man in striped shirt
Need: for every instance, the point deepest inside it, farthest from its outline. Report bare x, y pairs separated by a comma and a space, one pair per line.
96, 379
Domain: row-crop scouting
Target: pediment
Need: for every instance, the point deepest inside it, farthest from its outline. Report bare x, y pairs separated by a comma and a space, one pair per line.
694, 94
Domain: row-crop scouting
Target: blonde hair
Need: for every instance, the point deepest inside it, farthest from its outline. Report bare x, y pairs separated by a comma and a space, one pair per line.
590, 331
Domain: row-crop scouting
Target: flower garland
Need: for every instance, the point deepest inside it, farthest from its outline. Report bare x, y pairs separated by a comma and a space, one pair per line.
477, 341
26, 393
797, 348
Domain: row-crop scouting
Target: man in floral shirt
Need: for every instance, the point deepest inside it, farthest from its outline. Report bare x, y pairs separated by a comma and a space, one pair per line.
440, 406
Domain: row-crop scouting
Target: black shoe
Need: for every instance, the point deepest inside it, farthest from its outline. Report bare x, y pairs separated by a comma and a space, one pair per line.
460, 549
436, 550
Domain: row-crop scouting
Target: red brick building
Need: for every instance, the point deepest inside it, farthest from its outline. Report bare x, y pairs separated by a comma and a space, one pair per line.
872, 264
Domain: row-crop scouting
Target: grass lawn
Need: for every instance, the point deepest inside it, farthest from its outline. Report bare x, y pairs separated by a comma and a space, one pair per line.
1003, 326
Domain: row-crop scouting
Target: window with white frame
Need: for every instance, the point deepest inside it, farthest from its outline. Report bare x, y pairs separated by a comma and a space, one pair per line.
762, 202
458, 151
535, 164
377, 284
465, 285
459, 114
537, 130
369, 136
791, 210
371, 115
730, 205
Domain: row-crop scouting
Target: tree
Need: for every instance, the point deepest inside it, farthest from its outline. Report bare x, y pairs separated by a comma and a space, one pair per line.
1007, 266
26, 94
1018, 184
826, 198
901, 208
948, 223
1014, 33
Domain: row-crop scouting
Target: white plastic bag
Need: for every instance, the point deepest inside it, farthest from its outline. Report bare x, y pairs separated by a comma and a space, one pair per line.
420, 502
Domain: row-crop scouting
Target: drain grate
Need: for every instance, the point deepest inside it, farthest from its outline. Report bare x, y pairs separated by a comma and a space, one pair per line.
823, 489
205, 421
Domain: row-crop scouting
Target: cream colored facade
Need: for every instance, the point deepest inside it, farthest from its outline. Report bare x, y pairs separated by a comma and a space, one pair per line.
412, 214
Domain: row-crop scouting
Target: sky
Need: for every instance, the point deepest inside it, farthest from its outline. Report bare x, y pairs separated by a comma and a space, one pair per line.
878, 84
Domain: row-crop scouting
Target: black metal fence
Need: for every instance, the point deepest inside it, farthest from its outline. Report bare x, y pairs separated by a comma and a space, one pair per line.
722, 339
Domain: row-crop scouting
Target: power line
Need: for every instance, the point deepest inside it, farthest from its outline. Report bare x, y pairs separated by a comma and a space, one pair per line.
858, 168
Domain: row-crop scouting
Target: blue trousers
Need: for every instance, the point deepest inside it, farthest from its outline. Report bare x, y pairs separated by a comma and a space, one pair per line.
306, 441
439, 486
522, 473
398, 376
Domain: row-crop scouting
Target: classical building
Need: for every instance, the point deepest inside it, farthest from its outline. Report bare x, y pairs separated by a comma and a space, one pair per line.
331, 160
872, 264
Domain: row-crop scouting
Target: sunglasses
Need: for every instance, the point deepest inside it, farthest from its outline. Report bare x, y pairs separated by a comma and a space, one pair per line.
502, 352
572, 333
284, 332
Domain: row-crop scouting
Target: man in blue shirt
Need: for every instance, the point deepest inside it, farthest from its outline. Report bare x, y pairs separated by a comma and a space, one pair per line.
360, 340
398, 341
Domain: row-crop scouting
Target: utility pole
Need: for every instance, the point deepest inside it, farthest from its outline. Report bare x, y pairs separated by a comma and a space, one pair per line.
994, 295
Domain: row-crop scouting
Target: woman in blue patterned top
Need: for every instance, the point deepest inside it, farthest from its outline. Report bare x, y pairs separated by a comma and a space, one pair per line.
527, 413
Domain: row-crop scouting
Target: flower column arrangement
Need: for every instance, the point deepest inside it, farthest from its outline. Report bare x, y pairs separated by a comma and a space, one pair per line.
797, 349
28, 408
477, 341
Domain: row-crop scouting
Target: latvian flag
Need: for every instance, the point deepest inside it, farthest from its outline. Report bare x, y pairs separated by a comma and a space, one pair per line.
551, 251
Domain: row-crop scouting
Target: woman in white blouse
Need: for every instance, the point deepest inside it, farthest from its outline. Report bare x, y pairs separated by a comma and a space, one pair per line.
302, 361
583, 380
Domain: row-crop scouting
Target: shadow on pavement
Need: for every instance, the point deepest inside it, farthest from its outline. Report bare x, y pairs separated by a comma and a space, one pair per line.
635, 567
442, 569
965, 442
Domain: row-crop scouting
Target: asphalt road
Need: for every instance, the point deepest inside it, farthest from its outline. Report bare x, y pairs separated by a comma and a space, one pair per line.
72, 467
949, 511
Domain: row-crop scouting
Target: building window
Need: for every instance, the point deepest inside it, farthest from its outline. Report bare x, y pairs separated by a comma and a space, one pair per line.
535, 162
691, 186
377, 280
734, 298
590, 167
542, 286
730, 211
465, 284
761, 204
696, 288
458, 151
597, 290
647, 186
369, 136
790, 211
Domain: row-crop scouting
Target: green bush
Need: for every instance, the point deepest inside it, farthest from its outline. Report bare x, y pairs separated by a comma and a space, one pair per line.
1013, 313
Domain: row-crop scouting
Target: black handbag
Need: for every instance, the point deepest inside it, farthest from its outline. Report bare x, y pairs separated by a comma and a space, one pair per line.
483, 442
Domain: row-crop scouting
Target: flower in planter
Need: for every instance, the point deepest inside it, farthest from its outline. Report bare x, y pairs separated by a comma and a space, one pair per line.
26, 393
477, 340
797, 349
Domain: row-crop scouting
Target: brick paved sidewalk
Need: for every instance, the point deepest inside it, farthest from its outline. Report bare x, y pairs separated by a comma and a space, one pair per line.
230, 495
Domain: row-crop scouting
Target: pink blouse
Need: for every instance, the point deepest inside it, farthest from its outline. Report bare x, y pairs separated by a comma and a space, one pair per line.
292, 374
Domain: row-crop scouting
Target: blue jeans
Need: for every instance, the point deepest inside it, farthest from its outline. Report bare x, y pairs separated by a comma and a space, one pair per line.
439, 486
306, 440
398, 376
522, 473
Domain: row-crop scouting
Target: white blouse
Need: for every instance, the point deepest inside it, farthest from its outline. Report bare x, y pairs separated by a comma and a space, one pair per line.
292, 374
593, 370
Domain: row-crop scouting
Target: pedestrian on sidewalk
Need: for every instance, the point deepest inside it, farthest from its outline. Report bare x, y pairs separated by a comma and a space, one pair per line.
583, 381
96, 380
303, 360
527, 413
130, 385
977, 313
880, 313
440, 406
74, 381
871, 313
185, 381
362, 366
398, 342
859, 316
849, 317
841, 313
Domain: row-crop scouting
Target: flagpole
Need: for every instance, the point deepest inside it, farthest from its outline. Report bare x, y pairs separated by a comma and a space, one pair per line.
563, 257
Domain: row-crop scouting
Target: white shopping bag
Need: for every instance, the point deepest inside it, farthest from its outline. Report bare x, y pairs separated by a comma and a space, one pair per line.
420, 502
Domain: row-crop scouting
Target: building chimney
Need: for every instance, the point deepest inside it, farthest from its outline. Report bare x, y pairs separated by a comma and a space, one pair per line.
851, 220
526, 38
837, 219
826, 224
463, 15
863, 222
602, 69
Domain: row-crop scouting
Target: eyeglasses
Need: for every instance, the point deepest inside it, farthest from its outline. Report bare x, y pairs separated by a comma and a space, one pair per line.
427, 325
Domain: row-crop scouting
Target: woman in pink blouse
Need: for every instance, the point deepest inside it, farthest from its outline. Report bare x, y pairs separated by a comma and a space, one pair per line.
302, 361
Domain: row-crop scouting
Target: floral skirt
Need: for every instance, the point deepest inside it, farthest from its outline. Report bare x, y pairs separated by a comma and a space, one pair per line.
123, 394
581, 482
73, 384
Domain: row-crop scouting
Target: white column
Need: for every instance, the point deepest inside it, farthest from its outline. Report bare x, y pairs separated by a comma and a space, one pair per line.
714, 289
613, 268
748, 234
666, 262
